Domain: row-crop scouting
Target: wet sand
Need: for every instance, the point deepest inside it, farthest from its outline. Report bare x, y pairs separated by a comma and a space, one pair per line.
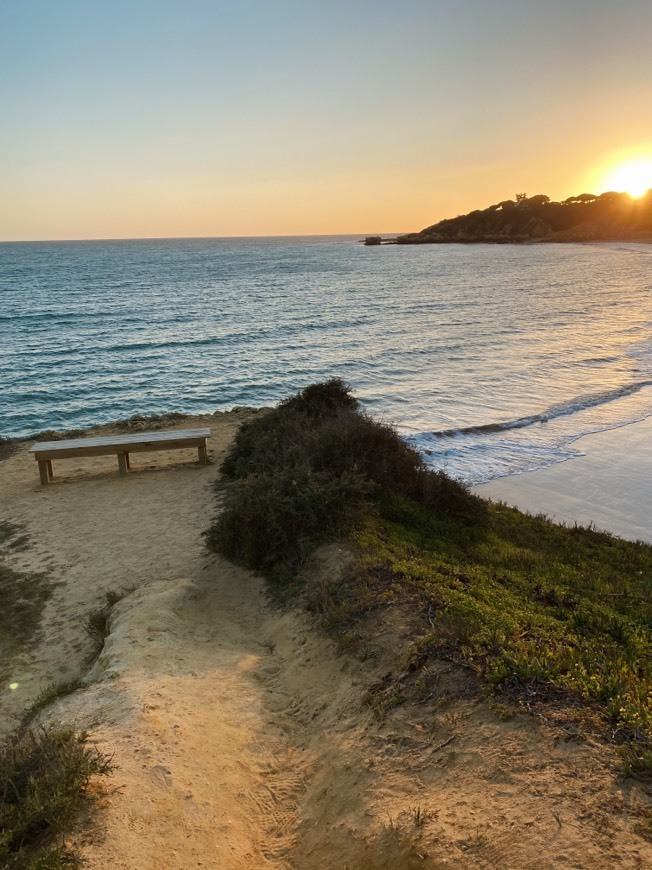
610, 486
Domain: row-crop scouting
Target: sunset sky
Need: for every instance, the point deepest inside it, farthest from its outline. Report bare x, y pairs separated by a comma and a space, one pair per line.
204, 118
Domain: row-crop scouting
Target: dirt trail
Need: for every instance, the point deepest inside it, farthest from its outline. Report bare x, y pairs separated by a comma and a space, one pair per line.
240, 735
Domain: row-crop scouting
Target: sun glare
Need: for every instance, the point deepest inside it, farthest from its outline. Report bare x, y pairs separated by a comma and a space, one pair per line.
632, 178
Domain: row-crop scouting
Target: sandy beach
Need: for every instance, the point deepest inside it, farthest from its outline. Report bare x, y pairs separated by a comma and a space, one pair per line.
240, 733
610, 486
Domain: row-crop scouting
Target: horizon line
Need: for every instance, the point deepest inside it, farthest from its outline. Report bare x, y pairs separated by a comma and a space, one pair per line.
193, 238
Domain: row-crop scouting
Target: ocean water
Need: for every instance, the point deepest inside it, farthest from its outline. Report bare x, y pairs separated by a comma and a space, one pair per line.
490, 359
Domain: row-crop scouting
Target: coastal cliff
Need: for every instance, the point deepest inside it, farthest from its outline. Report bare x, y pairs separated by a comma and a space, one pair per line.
583, 218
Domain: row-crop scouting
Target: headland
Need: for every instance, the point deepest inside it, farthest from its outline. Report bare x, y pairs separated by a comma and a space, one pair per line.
610, 216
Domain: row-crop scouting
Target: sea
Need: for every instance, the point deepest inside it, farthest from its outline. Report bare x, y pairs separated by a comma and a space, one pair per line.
491, 360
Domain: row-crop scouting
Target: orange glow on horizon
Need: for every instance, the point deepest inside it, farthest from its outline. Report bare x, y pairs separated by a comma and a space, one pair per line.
633, 177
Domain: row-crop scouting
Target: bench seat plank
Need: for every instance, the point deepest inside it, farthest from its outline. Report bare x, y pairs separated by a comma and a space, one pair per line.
119, 440
120, 445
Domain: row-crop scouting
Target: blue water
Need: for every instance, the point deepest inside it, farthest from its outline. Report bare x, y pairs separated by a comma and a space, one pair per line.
491, 359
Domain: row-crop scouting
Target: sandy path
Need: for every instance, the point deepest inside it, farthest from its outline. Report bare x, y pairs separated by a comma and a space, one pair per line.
240, 735
92, 531
205, 778
207, 773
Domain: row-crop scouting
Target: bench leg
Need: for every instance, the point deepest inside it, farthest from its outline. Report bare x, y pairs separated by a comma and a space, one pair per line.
44, 471
203, 454
123, 462
50, 472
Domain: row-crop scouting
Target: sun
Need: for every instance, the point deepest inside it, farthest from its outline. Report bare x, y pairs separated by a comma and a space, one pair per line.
633, 178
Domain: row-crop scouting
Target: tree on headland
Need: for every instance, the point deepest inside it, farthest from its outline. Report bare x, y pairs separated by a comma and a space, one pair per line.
585, 217
612, 196
539, 199
583, 197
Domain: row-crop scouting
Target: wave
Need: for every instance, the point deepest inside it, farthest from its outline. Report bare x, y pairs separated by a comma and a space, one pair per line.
572, 406
629, 249
596, 360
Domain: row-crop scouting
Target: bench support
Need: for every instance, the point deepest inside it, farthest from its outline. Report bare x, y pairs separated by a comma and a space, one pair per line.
45, 471
123, 463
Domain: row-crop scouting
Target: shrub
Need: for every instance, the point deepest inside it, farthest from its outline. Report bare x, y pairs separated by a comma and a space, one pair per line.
323, 429
44, 778
271, 440
276, 519
301, 473
322, 400
278, 438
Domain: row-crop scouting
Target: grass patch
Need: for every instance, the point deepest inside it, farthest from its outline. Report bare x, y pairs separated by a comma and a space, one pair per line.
44, 783
56, 435
23, 595
48, 696
135, 423
12, 537
139, 422
538, 609
45, 772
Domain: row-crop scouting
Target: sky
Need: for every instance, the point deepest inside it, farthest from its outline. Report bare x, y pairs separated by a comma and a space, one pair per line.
152, 118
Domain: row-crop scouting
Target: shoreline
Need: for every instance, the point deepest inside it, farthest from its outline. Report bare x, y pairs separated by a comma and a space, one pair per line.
608, 487
500, 240
136, 422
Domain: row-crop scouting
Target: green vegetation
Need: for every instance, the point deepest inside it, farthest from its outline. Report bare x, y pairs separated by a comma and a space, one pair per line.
539, 610
54, 435
577, 219
139, 422
45, 771
48, 696
44, 782
543, 614
23, 595
12, 537
304, 472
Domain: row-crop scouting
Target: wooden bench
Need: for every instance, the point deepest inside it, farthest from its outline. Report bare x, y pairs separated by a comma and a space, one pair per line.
121, 445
